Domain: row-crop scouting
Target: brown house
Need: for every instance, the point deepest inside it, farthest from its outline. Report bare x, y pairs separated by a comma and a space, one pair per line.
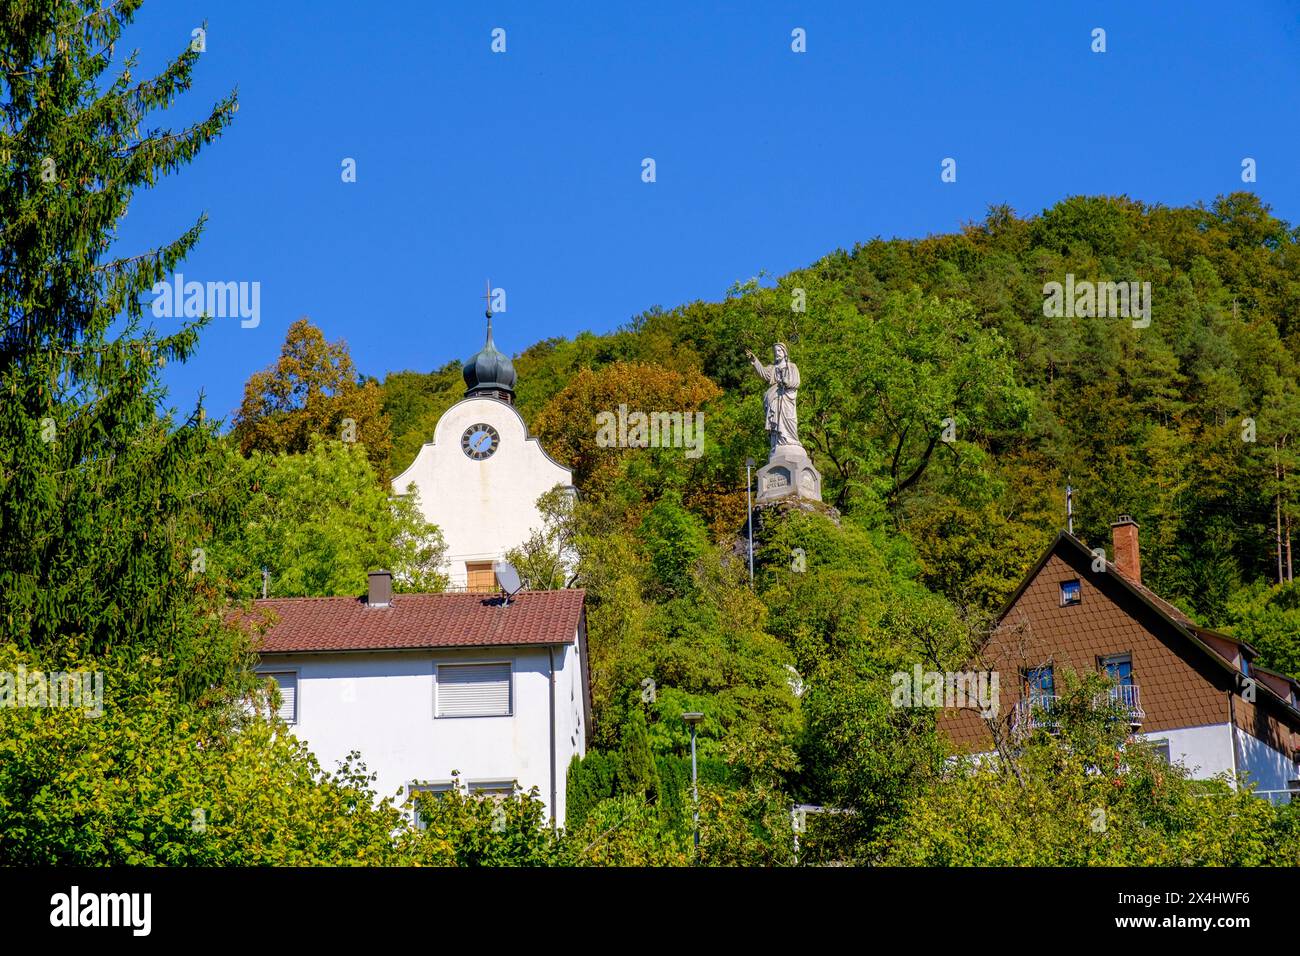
1191, 692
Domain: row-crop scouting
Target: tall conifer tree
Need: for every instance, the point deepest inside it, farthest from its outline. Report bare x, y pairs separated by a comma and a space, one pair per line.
104, 503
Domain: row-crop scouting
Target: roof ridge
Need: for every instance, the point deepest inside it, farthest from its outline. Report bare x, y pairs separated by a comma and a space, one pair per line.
415, 621
423, 594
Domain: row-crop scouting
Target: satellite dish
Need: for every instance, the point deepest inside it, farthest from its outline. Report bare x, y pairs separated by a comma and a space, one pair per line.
508, 578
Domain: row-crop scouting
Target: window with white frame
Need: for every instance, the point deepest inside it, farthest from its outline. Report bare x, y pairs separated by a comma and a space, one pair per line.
287, 682
415, 792
473, 690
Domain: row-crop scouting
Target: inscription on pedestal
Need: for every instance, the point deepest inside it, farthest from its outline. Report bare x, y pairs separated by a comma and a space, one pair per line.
792, 475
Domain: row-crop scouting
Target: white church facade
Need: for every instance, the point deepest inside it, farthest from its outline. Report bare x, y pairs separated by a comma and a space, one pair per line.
472, 688
480, 477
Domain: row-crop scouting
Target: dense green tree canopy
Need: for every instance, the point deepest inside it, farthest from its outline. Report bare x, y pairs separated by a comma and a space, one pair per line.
312, 393
318, 521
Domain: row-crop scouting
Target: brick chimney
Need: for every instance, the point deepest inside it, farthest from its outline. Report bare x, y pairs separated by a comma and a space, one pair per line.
380, 593
1124, 540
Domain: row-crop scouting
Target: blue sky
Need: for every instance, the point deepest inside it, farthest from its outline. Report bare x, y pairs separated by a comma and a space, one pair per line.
526, 166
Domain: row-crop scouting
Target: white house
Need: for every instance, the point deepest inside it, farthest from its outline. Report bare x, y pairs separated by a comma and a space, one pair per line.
480, 477
425, 686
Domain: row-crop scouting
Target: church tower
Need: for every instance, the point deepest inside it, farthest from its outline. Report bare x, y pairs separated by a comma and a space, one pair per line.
480, 477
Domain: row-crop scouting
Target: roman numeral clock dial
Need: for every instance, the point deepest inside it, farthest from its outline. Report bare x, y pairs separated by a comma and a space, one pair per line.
479, 441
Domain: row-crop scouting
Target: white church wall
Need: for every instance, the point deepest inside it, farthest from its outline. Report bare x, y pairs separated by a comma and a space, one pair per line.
484, 508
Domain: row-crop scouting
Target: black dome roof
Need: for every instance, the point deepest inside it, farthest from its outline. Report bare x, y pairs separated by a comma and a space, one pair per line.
489, 370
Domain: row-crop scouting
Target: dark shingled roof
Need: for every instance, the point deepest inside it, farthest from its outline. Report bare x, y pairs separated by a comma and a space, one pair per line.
1220, 647
414, 621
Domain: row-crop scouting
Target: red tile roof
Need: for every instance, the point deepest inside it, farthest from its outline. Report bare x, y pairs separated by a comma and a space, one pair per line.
413, 621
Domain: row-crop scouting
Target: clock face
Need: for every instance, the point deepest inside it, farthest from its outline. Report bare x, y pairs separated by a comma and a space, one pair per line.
479, 441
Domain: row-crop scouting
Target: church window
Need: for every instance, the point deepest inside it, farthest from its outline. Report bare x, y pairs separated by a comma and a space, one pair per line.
479, 576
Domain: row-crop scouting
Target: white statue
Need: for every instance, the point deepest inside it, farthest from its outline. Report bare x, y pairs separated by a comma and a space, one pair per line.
782, 377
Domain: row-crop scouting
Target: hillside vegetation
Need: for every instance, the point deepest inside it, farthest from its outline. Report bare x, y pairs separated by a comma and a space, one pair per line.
1184, 422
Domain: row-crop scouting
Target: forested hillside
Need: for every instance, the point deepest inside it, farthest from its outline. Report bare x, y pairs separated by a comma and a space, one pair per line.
1183, 422
898, 335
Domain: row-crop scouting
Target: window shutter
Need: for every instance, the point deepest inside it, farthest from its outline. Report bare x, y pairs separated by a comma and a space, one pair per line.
473, 690
480, 576
496, 789
288, 684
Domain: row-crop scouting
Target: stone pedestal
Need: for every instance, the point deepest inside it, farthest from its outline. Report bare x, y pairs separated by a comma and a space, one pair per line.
789, 471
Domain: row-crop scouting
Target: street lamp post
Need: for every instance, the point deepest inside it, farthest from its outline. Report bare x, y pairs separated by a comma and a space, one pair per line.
749, 507
692, 719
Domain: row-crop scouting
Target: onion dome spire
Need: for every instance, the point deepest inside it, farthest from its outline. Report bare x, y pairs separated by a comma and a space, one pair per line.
489, 373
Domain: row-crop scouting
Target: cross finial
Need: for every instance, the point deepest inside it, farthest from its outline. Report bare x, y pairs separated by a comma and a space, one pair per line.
487, 298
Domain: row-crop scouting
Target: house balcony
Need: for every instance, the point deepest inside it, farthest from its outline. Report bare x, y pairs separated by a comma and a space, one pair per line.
1129, 697
1036, 712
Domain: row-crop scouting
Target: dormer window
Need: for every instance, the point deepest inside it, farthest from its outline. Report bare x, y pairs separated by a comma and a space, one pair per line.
1245, 665
1071, 593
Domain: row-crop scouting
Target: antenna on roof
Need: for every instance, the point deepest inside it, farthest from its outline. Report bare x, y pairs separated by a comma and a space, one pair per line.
1069, 509
508, 578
